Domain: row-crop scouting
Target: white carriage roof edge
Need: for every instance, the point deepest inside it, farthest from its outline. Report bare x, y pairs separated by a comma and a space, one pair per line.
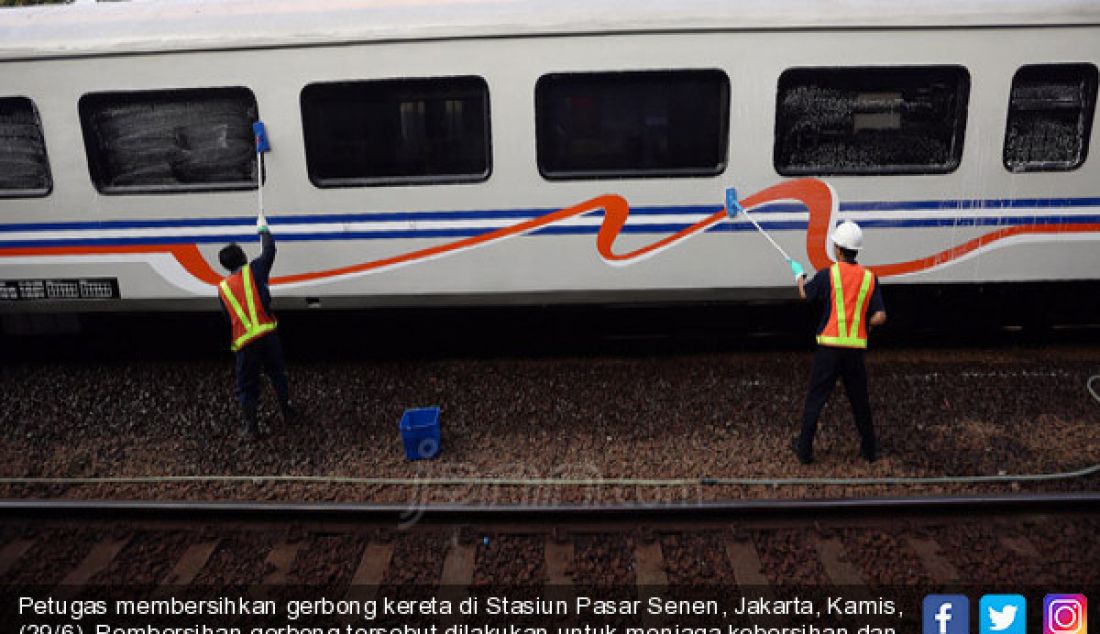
142, 26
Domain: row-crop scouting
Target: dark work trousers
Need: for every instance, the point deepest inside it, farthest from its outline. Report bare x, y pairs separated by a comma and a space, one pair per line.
829, 363
265, 353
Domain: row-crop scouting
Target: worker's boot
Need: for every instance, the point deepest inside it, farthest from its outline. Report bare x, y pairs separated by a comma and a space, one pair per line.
804, 458
290, 413
871, 451
250, 426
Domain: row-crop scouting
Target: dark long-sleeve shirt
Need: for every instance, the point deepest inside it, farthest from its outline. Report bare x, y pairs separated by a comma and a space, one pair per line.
261, 268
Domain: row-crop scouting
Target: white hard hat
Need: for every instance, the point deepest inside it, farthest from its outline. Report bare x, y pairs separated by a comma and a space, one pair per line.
848, 235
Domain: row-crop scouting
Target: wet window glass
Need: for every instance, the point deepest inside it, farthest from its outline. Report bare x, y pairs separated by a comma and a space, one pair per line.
408, 131
1050, 117
906, 120
24, 169
627, 124
170, 140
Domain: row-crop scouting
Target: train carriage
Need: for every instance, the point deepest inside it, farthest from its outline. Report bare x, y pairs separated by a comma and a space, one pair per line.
473, 152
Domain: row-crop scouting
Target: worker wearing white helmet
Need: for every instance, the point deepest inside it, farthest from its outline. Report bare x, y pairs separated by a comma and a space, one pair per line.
851, 304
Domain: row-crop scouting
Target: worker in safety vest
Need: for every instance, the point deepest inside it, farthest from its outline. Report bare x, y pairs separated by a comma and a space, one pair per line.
852, 305
246, 302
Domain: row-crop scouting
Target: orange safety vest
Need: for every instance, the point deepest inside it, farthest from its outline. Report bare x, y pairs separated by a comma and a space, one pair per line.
852, 286
256, 322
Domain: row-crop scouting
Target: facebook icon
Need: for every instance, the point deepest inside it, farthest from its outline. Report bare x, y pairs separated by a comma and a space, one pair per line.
946, 614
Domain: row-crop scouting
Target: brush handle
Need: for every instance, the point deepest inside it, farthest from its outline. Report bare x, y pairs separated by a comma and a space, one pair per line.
733, 207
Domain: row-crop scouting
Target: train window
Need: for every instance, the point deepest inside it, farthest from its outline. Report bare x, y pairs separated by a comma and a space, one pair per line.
170, 140
397, 131
897, 120
1050, 117
24, 169
632, 124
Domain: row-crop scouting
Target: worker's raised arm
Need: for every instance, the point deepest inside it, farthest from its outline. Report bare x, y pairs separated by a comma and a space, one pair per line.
266, 260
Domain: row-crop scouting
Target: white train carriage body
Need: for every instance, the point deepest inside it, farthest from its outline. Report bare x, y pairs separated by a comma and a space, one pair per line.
482, 152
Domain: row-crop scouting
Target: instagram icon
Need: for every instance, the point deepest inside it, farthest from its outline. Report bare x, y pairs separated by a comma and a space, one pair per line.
1065, 614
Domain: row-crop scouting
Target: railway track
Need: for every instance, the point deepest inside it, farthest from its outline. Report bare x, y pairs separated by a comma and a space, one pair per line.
928, 541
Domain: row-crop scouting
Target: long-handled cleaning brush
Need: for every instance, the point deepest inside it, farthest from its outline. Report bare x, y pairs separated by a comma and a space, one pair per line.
262, 146
733, 207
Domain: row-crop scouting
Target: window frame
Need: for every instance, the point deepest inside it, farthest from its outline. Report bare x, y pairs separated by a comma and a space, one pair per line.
11, 194
94, 159
1089, 116
962, 110
399, 181
616, 174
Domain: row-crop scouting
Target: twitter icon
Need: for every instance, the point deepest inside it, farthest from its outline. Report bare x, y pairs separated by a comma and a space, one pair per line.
1002, 614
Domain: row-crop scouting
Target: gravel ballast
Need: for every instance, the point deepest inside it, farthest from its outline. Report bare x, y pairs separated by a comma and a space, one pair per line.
730, 415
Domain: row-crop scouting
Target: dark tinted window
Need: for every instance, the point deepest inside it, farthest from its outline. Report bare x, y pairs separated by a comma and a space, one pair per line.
870, 120
397, 131
24, 169
170, 140
662, 123
1050, 117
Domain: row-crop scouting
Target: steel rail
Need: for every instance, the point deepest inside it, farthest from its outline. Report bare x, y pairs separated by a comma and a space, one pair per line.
742, 509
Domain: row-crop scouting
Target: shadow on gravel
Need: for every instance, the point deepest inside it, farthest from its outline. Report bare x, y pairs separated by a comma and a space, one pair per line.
964, 452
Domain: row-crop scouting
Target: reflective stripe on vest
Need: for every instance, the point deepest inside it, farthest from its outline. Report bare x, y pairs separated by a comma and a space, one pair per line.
847, 337
251, 322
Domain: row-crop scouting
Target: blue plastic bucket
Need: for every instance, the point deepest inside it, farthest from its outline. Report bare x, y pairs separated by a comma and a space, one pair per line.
420, 432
